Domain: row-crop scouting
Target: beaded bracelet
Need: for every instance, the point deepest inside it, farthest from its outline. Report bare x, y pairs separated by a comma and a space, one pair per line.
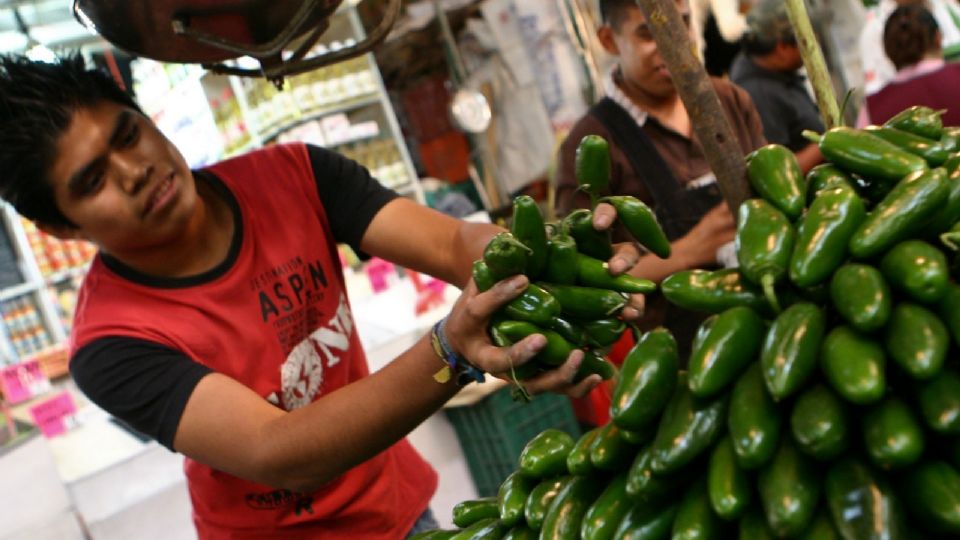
455, 364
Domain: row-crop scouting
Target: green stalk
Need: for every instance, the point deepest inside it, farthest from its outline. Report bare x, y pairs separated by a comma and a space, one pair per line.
814, 62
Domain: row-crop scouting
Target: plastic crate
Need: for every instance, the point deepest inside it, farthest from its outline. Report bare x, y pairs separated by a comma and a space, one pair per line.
494, 431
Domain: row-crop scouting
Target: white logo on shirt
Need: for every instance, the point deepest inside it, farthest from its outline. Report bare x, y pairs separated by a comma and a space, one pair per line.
302, 373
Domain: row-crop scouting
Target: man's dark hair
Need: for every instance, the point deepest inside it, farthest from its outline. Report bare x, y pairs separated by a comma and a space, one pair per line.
909, 34
37, 102
614, 12
757, 45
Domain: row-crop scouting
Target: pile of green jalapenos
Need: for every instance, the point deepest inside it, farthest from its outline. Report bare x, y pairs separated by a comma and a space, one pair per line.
822, 396
572, 299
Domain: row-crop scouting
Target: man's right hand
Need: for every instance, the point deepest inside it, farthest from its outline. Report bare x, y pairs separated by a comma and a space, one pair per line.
716, 228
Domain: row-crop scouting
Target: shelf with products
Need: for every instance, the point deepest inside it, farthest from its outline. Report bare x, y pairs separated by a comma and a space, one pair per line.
40, 274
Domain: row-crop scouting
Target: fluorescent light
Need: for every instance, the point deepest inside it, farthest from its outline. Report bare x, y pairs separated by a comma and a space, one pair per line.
41, 53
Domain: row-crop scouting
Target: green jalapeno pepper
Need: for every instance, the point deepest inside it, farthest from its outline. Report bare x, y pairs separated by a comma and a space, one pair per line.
604, 515
540, 498
939, 400
603, 332
789, 490
528, 227
753, 525
934, 496
593, 272
950, 139
774, 173
821, 528
929, 149
919, 120
561, 260
754, 420
819, 423
512, 497
688, 428
647, 521
949, 214
854, 365
645, 486
554, 353
565, 516
594, 364
728, 485
860, 152
579, 225
436, 534
764, 243
641, 223
916, 269
545, 455
586, 303
861, 296
949, 310
609, 451
591, 165
532, 305
572, 332
823, 235
917, 340
485, 529
647, 380
695, 518
862, 504
726, 344
712, 291
825, 176
578, 460
790, 350
521, 532
466, 513
892, 435
638, 437
901, 214
505, 256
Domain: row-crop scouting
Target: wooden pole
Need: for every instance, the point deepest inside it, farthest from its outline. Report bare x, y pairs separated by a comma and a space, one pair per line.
814, 62
720, 144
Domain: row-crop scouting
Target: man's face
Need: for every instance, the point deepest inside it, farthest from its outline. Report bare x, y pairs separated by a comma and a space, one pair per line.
120, 181
792, 59
640, 61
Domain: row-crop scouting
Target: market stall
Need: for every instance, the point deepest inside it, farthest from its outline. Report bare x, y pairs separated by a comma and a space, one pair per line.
822, 395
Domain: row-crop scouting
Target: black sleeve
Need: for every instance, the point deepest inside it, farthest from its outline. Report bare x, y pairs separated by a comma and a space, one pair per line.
350, 196
145, 384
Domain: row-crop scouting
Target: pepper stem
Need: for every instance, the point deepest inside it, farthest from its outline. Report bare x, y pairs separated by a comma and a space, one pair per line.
951, 240
589, 191
519, 393
769, 291
811, 136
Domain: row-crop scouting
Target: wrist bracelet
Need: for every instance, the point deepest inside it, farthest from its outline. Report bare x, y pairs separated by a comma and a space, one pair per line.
455, 365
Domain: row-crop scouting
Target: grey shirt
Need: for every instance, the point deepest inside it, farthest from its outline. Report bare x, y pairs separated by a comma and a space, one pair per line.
785, 106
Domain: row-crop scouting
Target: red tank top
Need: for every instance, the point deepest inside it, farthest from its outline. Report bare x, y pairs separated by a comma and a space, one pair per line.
279, 322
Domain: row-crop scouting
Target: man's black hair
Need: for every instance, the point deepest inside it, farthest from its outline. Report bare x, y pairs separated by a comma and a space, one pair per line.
614, 12
756, 45
37, 102
909, 33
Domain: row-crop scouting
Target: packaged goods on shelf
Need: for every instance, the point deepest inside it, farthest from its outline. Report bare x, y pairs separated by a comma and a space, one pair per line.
54, 256
25, 328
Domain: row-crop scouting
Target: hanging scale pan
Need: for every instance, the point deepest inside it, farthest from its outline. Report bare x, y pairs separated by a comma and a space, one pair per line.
278, 33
